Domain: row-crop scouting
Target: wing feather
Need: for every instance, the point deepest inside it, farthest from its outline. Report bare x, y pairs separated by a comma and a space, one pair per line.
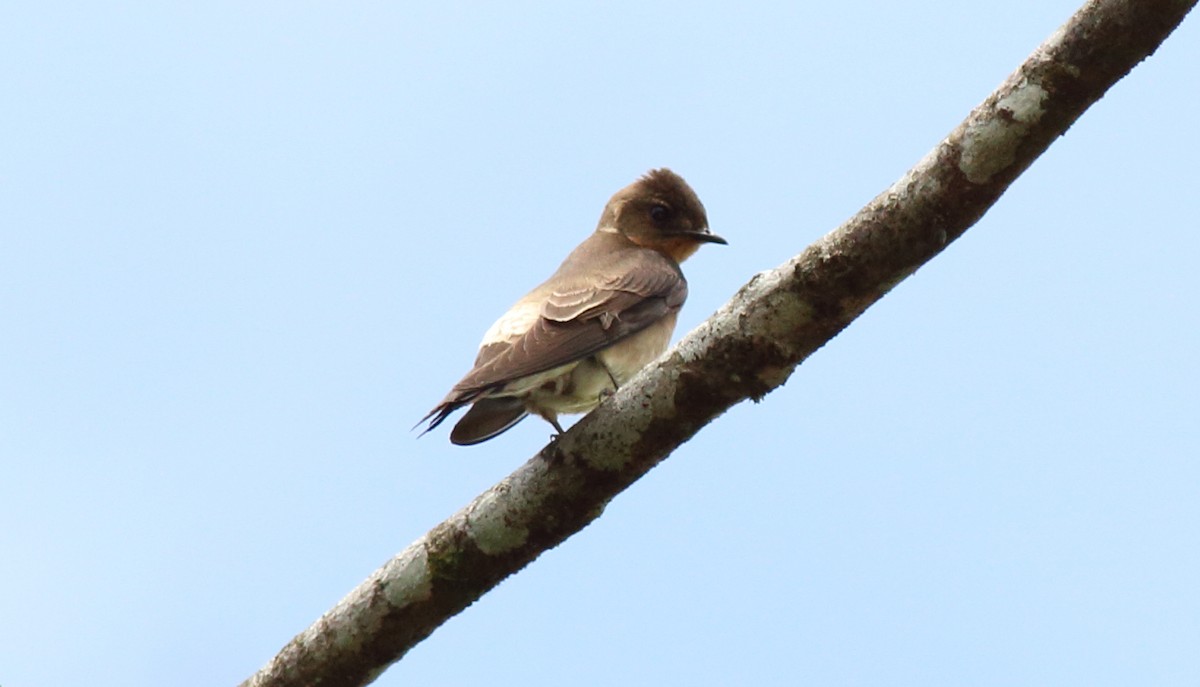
577, 322
581, 310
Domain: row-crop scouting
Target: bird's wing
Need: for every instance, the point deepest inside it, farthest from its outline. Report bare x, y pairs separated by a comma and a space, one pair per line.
573, 319
578, 320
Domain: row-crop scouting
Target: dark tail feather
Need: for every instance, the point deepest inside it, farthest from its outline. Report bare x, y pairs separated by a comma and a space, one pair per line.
486, 419
439, 415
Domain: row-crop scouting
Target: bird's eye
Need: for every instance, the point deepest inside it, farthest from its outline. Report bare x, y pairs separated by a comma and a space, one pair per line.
659, 213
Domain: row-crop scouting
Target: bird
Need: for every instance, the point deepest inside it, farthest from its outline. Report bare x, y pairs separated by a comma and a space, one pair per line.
607, 312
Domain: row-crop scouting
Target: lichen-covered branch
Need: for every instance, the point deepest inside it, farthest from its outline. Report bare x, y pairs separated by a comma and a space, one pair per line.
745, 350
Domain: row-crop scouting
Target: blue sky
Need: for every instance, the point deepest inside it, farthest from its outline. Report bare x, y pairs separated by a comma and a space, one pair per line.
244, 247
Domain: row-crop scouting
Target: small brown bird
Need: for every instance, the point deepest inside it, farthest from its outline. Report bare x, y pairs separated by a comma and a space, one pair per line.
608, 311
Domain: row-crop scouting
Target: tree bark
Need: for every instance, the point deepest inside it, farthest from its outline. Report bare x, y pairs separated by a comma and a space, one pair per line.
749, 347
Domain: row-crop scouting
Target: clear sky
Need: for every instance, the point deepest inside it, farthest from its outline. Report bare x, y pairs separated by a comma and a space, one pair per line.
244, 247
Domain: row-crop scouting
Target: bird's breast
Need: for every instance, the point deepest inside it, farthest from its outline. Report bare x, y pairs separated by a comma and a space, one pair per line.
631, 354
578, 388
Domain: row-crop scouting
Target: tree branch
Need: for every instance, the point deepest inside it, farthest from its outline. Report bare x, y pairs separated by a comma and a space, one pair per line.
749, 347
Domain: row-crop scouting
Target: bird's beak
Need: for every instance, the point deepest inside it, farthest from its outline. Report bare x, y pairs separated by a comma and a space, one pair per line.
706, 236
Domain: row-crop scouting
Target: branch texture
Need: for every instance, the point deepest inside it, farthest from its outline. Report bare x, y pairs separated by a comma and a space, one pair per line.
749, 347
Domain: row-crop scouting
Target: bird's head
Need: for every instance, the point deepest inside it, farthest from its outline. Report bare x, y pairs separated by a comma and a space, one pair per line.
660, 211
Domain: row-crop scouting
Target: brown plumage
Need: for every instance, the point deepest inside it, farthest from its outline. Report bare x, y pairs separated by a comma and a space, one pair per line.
607, 311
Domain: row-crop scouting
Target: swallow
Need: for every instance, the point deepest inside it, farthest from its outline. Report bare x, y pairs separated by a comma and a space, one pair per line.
607, 312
